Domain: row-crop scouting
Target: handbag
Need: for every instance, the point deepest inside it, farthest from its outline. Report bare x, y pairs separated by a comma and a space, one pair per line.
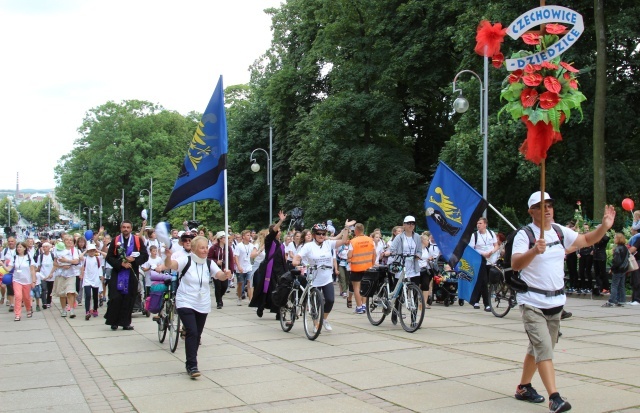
633, 264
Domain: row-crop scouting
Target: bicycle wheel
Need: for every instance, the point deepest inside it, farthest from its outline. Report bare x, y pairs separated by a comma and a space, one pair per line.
501, 298
313, 313
162, 324
174, 329
378, 306
288, 313
412, 309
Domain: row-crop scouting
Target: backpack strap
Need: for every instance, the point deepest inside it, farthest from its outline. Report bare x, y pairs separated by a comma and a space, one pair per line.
185, 269
559, 232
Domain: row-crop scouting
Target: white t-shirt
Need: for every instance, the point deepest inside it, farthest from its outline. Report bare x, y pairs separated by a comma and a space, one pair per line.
151, 264
68, 270
379, 248
45, 262
290, 250
7, 256
22, 269
315, 254
546, 271
484, 243
193, 291
260, 257
243, 252
151, 242
92, 271
434, 251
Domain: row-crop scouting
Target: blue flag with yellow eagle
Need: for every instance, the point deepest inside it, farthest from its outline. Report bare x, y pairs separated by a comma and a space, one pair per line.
201, 175
452, 208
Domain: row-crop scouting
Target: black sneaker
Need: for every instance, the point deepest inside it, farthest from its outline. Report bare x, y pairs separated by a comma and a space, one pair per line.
528, 393
193, 372
559, 405
565, 315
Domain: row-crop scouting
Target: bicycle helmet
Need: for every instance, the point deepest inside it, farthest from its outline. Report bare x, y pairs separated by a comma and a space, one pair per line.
318, 227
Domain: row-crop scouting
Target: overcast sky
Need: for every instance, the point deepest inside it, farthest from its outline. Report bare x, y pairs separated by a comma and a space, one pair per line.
61, 58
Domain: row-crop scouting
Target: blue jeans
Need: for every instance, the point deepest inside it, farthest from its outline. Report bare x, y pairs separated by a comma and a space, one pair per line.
618, 292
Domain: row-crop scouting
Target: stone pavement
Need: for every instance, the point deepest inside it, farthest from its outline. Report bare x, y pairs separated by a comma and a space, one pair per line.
461, 360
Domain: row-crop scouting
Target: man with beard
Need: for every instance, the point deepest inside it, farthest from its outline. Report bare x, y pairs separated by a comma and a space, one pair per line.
125, 255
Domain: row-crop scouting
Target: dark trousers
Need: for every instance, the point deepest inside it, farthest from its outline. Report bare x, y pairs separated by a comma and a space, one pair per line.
90, 291
584, 270
193, 322
329, 297
572, 266
220, 289
481, 289
602, 278
635, 285
47, 289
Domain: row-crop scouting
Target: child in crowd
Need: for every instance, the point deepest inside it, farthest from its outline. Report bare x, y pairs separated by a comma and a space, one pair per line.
91, 276
155, 263
37, 290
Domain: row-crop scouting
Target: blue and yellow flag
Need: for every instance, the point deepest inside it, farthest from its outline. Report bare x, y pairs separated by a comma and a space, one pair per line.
452, 208
201, 175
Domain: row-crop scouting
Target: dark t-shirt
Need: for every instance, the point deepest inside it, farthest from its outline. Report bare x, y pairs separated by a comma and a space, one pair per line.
637, 245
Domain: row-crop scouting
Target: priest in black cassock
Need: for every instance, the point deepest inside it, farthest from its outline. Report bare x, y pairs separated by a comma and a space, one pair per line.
126, 254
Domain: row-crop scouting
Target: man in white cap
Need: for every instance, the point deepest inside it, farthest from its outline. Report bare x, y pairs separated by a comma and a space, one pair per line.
409, 244
541, 266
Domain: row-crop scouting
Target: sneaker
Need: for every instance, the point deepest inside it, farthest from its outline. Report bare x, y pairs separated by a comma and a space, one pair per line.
528, 393
571, 290
565, 315
239, 302
557, 406
72, 314
607, 304
94, 313
635, 303
487, 309
361, 310
87, 315
476, 306
67, 308
327, 326
63, 313
193, 372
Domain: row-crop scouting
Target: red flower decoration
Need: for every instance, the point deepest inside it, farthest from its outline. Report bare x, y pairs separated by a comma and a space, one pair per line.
532, 68
490, 36
515, 76
554, 28
532, 80
549, 65
569, 67
497, 59
566, 75
531, 38
552, 84
578, 203
548, 100
528, 97
573, 84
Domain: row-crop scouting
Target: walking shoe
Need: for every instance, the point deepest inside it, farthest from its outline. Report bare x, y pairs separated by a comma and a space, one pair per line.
37, 308
67, 308
239, 302
487, 309
193, 372
559, 404
528, 393
607, 304
72, 314
327, 326
635, 303
87, 316
63, 313
476, 306
10, 308
94, 313
565, 315
219, 306
361, 310
394, 318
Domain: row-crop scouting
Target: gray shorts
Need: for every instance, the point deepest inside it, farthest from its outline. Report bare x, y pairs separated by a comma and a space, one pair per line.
542, 331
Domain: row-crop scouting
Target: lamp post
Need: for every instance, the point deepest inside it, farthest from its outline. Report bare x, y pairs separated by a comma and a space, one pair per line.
255, 167
49, 213
87, 211
9, 212
100, 212
150, 194
461, 105
120, 207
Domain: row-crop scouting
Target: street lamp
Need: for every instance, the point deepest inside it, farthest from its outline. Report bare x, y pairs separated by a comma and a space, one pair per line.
87, 211
150, 194
9, 212
120, 206
255, 167
461, 105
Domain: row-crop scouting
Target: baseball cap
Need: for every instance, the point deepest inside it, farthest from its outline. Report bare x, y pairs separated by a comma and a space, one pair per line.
186, 235
535, 198
409, 218
219, 234
91, 247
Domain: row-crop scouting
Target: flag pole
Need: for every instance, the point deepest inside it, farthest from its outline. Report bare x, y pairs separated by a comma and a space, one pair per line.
542, 191
226, 222
502, 216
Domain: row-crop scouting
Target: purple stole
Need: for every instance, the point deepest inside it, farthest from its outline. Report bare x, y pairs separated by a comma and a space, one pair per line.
267, 276
123, 274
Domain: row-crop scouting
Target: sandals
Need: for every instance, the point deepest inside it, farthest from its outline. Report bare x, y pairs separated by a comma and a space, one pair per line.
349, 303
16, 319
30, 314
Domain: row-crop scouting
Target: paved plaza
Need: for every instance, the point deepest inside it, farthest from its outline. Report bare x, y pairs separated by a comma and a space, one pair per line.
461, 360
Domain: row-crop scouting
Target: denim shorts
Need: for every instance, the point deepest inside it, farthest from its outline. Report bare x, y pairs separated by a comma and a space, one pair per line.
37, 291
241, 278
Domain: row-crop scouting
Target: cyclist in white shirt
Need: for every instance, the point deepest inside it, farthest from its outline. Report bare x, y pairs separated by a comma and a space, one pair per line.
320, 252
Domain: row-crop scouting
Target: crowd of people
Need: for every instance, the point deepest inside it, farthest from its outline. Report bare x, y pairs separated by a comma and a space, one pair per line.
247, 267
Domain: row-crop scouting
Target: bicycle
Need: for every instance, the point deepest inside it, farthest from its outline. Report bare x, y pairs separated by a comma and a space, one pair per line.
384, 301
169, 319
502, 296
305, 300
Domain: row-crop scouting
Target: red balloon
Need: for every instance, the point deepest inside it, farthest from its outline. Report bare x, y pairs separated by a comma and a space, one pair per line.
627, 204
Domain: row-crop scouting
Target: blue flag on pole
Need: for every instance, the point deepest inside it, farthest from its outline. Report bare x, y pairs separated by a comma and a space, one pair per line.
452, 208
201, 175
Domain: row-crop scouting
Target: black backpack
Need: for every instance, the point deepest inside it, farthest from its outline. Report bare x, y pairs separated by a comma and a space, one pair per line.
511, 276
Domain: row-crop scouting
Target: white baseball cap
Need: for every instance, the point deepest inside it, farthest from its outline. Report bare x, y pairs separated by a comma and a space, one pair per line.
91, 247
535, 198
409, 218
